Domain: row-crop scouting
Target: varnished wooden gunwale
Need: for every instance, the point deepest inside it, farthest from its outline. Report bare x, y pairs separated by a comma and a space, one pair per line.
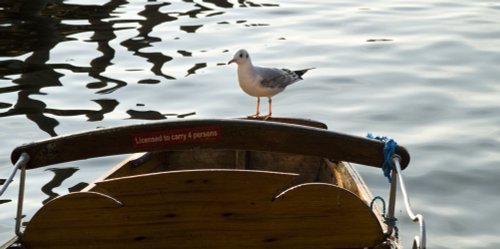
226, 134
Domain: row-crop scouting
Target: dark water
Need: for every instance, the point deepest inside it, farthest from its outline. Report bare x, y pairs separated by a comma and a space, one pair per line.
423, 72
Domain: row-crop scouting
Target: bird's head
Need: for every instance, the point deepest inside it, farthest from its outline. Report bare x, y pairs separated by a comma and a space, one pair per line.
240, 57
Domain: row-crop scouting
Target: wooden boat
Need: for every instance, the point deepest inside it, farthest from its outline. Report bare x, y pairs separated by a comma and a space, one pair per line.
280, 183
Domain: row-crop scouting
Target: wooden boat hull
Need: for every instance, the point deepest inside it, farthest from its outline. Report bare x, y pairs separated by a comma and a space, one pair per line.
215, 198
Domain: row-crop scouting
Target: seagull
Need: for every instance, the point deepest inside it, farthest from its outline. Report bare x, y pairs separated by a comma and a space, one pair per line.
263, 81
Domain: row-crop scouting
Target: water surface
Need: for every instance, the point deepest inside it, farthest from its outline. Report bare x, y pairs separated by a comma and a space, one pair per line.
423, 72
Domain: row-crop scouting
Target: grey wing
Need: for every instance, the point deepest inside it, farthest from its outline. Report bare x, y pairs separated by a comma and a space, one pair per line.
276, 78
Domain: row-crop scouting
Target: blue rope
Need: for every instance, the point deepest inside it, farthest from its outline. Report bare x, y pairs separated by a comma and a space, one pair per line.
389, 150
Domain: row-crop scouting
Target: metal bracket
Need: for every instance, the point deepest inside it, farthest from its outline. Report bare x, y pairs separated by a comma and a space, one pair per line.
23, 160
20, 164
20, 199
419, 242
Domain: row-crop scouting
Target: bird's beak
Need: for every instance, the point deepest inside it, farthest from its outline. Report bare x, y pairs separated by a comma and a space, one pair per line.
231, 61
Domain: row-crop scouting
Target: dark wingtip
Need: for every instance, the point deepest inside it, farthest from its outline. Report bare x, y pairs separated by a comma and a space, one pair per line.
302, 72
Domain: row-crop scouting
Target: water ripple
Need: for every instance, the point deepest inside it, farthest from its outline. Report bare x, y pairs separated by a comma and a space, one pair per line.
423, 72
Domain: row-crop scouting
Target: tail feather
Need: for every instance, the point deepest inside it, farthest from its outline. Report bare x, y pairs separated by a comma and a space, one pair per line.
302, 71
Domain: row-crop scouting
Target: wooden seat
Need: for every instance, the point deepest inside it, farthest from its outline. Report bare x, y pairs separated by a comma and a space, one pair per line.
206, 209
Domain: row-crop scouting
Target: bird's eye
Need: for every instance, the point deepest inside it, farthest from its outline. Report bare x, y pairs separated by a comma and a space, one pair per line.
246, 55
241, 55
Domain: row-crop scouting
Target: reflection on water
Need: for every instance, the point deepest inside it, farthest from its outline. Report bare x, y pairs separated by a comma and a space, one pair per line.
30, 30
107, 105
2, 201
34, 28
60, 174
423, 72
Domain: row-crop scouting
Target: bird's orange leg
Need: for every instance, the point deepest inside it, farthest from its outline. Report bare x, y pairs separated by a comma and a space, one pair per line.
270, 109
258, 109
